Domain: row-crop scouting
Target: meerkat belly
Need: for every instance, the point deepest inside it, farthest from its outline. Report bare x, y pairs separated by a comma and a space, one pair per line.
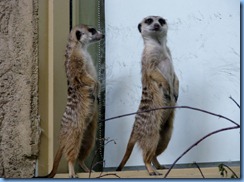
166, 67
90, 68
167, 71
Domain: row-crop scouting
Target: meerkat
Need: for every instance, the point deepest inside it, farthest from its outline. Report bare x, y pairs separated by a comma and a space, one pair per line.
79, 121
152, 130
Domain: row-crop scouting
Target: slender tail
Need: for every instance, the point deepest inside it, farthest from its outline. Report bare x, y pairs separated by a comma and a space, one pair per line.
57, 159
129, 149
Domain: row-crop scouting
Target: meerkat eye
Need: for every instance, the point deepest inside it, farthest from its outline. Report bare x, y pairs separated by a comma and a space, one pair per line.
162, 21
149, 21
92, 31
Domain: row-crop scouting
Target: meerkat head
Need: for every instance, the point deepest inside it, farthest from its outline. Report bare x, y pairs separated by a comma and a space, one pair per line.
153, 27
85, 35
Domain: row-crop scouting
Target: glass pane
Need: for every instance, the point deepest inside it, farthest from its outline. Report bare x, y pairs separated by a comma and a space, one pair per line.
91, 12
204, 39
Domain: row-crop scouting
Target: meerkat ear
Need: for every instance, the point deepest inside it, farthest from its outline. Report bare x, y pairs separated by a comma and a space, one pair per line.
139, 27
78, 34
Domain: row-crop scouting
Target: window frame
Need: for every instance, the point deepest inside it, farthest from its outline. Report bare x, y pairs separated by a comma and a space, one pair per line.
56, 17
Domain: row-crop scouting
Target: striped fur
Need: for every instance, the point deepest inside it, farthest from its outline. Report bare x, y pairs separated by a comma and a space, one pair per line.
79, 121
152, 130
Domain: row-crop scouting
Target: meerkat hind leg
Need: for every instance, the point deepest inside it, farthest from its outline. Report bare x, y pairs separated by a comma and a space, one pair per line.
148, 160
151, 171
71, 170
88, 143
156, 164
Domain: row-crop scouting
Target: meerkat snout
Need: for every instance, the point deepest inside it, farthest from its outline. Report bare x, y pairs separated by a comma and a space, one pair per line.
86, 35
97, 34
156, 27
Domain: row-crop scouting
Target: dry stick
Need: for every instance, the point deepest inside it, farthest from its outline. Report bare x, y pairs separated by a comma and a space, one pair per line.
234, 101
92, 164
185, 107
195, 144
99, 162
109, 174
96, 152
174, 107
199, 169
231, 170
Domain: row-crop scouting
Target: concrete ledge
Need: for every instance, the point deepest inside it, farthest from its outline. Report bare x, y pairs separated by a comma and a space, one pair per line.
210, 172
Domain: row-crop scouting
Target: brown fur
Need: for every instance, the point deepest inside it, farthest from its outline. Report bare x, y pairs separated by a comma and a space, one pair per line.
152, 130
79, 121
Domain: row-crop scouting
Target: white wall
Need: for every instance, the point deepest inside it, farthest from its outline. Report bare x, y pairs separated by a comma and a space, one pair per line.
204, 38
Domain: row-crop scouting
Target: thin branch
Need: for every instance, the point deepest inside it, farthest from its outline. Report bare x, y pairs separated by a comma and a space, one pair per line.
112, 140
230, 170
94, 165
100, 176
109, 174
174, 107
96, 153
99, 162
199, 169
196, 143
235, 102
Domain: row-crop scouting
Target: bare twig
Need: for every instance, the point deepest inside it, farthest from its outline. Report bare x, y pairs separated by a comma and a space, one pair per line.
94, 165
223, 165
112, 140
174, 107
102, 175
199, 169
222, 170
96, 152
91, 167
234, 101
109, 174
196, 143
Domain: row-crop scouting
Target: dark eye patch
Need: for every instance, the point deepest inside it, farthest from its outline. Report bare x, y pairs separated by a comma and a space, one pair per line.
92, 31
149, 21
78, 34
162, 21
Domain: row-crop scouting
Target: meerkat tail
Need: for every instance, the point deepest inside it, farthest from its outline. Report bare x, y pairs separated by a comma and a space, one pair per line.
128, 152
57, 159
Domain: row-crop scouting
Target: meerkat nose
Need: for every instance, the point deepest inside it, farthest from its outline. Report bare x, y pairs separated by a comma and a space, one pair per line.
156, 26
103, 36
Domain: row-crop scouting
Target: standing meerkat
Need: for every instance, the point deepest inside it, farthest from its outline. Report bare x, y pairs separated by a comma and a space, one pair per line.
79, 122
152, 130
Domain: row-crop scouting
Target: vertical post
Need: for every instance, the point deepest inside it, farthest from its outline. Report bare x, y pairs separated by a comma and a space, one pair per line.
50, 82
53, 34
